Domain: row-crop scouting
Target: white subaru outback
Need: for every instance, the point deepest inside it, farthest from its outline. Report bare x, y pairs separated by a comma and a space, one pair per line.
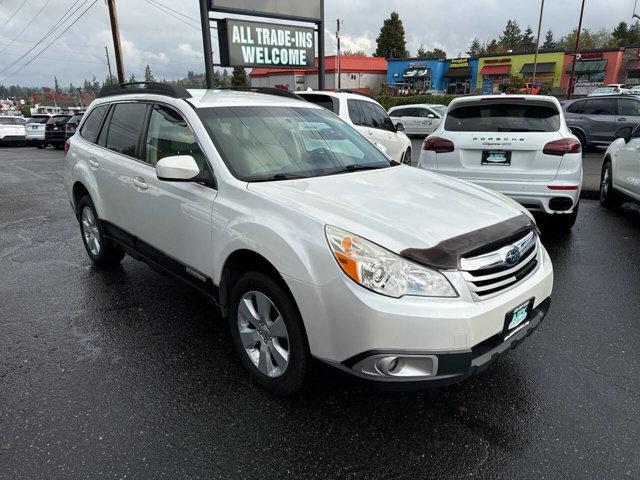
298, 228
518, 145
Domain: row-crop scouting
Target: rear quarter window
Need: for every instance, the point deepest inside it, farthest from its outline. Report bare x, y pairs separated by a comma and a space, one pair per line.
503, 117
91, 126
325, 101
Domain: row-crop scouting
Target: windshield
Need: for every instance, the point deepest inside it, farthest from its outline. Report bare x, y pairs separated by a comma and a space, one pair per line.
439, 109
503, 117
277, 143
58, 120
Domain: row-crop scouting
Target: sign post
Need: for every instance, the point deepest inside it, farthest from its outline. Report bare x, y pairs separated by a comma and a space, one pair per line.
206, 42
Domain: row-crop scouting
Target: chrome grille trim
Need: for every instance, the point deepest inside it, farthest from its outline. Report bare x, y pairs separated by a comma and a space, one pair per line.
490, 274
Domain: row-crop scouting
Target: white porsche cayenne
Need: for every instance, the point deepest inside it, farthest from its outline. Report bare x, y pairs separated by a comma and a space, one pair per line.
298, 228
518, 145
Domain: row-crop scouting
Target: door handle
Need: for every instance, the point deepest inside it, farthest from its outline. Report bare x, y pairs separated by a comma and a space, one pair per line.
93, 163
140, 183
622, 119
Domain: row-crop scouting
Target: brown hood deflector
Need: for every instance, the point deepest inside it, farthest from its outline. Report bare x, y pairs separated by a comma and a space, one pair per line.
446, 255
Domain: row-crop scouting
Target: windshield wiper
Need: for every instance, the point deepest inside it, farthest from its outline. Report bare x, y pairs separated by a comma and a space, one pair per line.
279, 176
355, 168
507, 129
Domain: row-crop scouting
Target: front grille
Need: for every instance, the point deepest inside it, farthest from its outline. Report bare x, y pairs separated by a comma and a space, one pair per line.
499, 270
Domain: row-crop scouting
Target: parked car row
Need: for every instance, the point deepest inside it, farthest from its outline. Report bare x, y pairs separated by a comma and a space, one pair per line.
38, 130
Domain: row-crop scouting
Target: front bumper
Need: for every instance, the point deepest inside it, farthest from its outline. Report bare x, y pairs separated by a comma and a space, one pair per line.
344, 321
449, 367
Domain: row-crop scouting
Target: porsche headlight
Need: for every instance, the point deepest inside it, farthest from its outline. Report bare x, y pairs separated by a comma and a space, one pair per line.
383, 271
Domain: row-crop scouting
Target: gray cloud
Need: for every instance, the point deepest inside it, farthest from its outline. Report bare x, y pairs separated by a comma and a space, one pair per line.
172, 46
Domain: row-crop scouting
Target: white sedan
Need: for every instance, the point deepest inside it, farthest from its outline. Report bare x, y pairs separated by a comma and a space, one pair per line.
418, 119
620, 178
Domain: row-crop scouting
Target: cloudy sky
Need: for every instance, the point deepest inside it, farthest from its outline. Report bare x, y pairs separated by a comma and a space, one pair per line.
171, 42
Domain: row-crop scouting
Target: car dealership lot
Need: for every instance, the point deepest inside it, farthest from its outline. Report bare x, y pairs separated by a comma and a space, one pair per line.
127, 373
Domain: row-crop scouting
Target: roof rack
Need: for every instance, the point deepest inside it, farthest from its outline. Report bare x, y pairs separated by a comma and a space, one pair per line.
143, 87
266, 90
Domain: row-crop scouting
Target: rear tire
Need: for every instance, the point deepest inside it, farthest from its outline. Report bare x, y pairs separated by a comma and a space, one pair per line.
268, 333
609, 198
41, 145
562, 223
581, 138
101, 251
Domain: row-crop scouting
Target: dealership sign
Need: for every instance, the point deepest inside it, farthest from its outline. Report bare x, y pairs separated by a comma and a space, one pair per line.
258, 44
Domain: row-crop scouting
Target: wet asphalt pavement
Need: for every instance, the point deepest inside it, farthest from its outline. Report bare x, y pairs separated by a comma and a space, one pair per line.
128, 374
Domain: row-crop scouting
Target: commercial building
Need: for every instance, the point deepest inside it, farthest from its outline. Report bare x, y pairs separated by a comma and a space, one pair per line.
630, 66
417, 75
359, 73
495, 70
595, 68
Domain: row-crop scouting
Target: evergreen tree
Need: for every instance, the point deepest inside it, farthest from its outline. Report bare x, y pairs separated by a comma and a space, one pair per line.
422, 53
391, 42
511, 37
493, 47
239, 77
148, 76
528, 41
475, 48
549, 42
620, 34
56, 85
132, 78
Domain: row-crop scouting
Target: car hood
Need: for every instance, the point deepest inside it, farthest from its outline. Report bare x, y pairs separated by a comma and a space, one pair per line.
398, 207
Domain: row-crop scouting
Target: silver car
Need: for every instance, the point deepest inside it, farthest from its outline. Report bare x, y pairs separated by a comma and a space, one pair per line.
418, 119
595, 120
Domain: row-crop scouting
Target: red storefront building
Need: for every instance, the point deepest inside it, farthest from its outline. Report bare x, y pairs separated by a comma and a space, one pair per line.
594, 68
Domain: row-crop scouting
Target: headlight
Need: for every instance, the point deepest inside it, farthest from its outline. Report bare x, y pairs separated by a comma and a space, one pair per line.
383, 271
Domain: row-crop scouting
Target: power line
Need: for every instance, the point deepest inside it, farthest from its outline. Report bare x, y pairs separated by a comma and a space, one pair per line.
60, 21
195, 20
162, 9
51, 42
25, 28
14, 14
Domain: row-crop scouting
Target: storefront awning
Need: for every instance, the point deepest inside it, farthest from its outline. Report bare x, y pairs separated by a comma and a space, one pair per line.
544, 67
460, 72
495, 70
588, 66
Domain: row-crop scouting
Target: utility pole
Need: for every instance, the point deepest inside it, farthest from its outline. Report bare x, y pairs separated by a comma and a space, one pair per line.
320, 27
535, 58
338, 45
206, 42
106, 51
115, 32
575, 54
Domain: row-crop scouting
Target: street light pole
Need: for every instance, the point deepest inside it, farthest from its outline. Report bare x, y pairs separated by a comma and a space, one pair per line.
535, 58
115, 32
575, 54
338, 45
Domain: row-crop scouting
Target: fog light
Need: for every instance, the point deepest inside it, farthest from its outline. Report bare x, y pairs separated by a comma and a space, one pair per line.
398, 366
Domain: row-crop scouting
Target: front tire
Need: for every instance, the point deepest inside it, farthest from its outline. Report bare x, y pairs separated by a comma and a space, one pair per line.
268, 333
407, 157
102, 253
581, 138
609, 198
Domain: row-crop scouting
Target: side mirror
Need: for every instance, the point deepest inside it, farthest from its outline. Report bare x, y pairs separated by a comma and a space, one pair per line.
624, 132
177, 168
431, 115
400, 127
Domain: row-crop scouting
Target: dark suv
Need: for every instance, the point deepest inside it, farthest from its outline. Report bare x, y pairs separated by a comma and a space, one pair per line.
595, 120
71, 126
54, 133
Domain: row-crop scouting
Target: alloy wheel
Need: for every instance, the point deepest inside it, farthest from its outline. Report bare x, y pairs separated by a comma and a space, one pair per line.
604, 186
90, 231
263, 334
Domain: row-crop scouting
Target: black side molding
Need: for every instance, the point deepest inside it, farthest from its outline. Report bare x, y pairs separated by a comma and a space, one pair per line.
446, 255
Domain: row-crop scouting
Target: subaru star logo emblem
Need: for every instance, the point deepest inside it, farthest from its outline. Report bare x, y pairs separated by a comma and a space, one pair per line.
512, 256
